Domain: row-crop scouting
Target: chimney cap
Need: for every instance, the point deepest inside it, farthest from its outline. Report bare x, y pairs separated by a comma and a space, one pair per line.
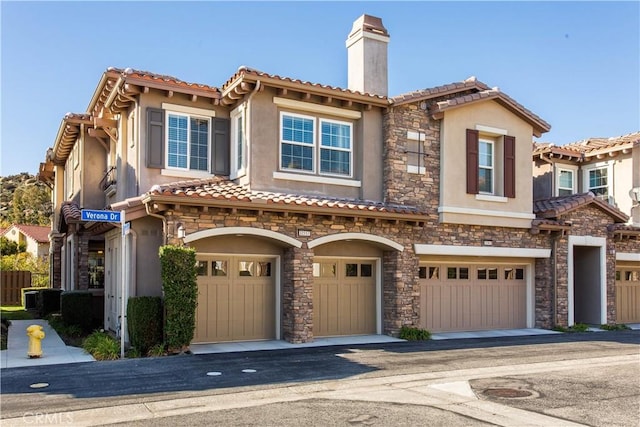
370, 24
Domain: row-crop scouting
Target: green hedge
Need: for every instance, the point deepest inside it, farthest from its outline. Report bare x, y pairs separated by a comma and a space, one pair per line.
144, 322
48, 301
180, 289
76, 309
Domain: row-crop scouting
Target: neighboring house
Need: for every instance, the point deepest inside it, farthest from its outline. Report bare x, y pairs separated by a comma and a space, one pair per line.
607, 167
322, 211
35, 238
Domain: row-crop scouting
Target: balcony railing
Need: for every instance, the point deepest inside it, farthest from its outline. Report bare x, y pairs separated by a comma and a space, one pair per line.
108, 182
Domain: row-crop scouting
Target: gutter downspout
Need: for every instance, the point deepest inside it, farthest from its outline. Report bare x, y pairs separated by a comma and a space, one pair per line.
164, 222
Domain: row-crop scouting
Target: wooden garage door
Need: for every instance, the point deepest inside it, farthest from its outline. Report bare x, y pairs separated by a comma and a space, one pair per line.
236, 299
344, 297
628, 293
472, 297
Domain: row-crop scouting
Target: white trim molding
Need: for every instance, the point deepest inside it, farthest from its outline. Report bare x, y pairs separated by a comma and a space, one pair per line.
627, 256
483, 212
250, 231
491, 198
422, 249
491, 130
188, 110
316, 108
317, 179
355, 236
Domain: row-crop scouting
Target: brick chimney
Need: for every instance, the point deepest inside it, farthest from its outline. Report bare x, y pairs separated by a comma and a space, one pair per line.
367, 56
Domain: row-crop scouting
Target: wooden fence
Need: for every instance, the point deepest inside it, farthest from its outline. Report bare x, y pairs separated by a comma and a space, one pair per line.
11, 284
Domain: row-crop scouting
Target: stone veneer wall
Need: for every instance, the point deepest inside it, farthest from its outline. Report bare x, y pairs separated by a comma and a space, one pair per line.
82, 261
55, 277
297, 295
586, 221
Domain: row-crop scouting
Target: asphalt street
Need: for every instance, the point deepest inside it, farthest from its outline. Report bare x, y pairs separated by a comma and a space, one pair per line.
585, 379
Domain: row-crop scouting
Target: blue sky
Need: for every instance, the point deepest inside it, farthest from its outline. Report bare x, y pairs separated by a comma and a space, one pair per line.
575, 64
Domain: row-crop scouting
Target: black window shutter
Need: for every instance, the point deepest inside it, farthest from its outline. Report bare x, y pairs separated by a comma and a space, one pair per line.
220, 150
472, 161
509, 166
155, 138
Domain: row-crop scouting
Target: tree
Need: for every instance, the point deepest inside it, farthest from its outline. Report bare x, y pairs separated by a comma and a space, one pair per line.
31, 205
9, 247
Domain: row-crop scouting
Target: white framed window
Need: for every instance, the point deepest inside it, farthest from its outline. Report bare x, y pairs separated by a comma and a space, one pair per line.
238, 143
188, 140
335, 148
416, 153
300, 151
597, 180
486, 163
566, 184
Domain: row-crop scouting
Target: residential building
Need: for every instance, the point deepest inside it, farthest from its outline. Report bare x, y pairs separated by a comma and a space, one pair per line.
323, 211
35, 238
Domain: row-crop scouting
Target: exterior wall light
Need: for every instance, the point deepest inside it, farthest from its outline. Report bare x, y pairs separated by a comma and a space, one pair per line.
182, 233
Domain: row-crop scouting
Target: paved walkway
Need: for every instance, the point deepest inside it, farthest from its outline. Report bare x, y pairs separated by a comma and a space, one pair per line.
54, 350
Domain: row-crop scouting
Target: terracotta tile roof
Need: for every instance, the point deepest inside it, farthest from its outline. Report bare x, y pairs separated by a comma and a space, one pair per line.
221, 189
70, 212
133, 76
38, 233
500, 97
246, 72
625, 229
556, 206
419, 95
589, 147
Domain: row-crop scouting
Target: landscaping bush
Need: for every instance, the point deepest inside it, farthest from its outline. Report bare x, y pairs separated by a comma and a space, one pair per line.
178, 265
102, 346
48, 301
411, 333
615, 327
144, 322
75, 308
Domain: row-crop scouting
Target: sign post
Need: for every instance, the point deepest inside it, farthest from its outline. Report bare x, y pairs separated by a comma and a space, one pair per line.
113, 216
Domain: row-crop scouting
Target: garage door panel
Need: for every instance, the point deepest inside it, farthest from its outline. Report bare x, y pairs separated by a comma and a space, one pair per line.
234, 304
486, 298
628, 293
343, 300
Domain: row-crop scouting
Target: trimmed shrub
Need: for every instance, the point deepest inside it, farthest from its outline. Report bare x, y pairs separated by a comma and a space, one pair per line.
180, 289
144, 322
102, 346
48, 301
75, 309
411, 333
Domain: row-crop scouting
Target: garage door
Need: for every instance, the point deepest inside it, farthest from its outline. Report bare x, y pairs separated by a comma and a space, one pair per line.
627, 293
460, 297
344, 297
236, 299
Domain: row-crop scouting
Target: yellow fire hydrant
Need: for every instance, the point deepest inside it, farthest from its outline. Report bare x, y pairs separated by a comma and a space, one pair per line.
35, 334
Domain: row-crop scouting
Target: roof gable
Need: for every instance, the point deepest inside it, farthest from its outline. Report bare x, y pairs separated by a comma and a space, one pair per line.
556, 206
38, 233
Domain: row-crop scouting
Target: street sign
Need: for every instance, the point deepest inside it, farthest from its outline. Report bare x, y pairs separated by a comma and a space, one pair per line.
100, 216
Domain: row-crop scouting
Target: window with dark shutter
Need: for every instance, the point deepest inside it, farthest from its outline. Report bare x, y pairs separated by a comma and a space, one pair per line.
472, 161
155, 138
509, 166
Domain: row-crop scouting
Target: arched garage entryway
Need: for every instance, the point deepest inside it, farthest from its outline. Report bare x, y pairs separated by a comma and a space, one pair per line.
347, 283
238, 283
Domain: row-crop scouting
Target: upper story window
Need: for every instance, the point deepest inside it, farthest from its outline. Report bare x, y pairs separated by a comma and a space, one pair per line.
300, 151
416, 153
187, 142
598, 182
485, 166
566, 182
491, 162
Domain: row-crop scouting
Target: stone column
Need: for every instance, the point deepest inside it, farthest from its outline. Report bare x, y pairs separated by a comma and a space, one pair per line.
400, 291
297, 295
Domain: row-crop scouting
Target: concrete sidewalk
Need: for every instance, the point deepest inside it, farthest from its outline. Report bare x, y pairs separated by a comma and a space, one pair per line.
54, 350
